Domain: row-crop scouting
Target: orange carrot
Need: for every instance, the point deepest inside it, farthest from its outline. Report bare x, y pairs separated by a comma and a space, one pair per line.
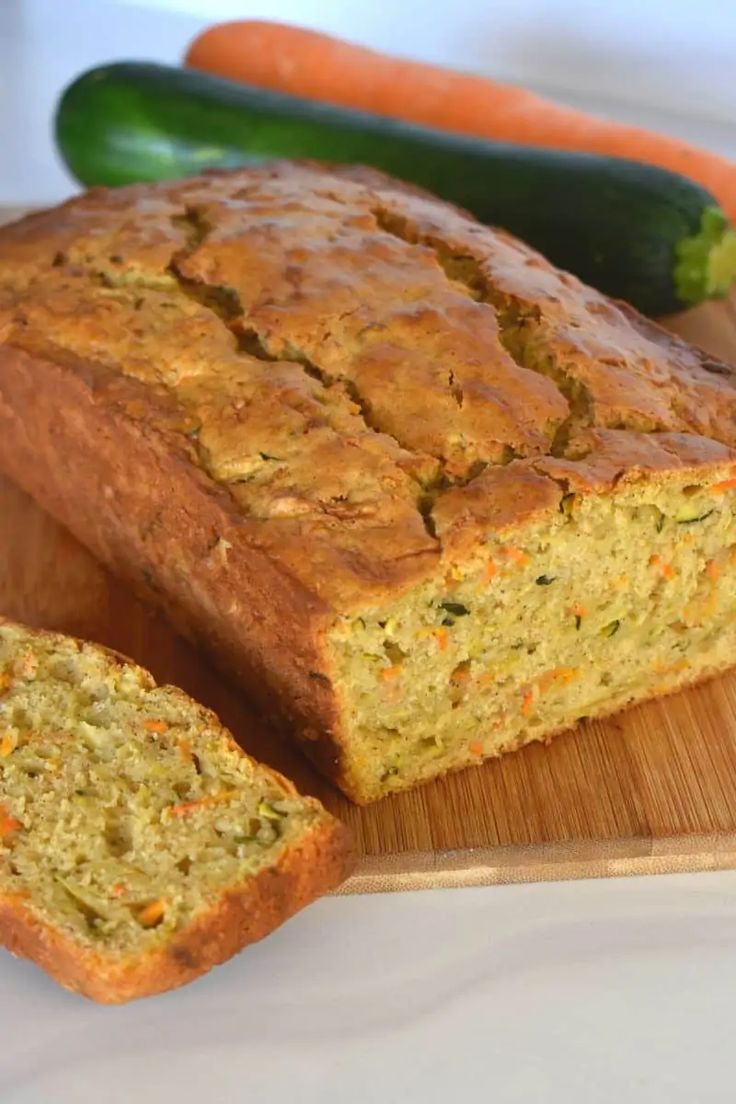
155, 726
185, 750
726, 485
475, 748
187, 807
666, 570
440, 636
388, 674
713, 571
8, 744
527, 702
8, 823
516, 555
316, 66
557, 674
491, 570
153, 913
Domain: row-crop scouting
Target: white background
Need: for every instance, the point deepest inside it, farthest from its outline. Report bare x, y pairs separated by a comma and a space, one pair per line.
581, 992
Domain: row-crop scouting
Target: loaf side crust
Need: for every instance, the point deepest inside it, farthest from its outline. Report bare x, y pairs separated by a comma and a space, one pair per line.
113, 467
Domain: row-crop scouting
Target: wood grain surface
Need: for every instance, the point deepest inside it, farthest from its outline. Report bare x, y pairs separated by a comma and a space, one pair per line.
650, 790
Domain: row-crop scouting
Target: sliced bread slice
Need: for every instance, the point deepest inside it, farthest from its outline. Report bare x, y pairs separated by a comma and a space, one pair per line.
139, 845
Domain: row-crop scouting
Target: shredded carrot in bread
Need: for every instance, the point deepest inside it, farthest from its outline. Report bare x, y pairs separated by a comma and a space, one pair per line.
388, 674
8, 823
187, 807
475, 748
118, 890
665, 569
724, 485
153, 913
516, 555
440, 636
578, 611
156, 726
527, 702
713, 571
8, 744
491, 570
185, 750
557, 674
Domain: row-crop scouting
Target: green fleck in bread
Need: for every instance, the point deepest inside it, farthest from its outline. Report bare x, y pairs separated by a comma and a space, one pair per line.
139, 846
428, 497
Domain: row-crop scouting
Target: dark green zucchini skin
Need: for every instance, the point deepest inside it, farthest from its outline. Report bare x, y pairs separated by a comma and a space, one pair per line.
616, 224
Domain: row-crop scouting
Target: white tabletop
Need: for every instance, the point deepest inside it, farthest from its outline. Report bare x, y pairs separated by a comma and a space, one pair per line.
579, 992
582, 993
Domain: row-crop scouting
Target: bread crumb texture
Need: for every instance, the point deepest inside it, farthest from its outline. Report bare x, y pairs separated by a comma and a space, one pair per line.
127, 813
514, 497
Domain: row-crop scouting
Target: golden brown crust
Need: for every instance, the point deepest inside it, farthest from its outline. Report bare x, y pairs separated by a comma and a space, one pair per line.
599, 460
311, 867
335, 349
275, 397
618, 369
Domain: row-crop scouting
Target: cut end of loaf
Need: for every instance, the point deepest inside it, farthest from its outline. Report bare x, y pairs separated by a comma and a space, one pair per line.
129, 818
600, 602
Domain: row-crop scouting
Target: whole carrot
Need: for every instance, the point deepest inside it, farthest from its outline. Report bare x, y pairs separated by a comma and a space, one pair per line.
317, 66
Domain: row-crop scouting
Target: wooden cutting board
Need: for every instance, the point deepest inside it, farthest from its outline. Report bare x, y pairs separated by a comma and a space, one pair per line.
651, 790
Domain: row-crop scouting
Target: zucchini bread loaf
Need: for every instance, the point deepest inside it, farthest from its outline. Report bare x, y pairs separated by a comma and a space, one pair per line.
427, 496
139, 846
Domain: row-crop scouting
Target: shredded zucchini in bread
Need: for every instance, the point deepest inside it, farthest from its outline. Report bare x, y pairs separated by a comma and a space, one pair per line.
598, 602
128, 817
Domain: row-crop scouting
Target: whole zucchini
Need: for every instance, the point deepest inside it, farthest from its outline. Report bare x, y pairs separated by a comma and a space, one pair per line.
635, 231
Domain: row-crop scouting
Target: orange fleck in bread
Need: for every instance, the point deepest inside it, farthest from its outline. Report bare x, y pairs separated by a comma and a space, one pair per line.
356, 443
104, 881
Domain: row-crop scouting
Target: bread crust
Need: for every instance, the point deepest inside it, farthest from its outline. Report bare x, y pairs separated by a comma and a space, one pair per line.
383, 326
109, 465
311, 867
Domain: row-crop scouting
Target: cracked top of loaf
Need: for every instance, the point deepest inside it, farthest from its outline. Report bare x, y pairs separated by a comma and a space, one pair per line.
370, 376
